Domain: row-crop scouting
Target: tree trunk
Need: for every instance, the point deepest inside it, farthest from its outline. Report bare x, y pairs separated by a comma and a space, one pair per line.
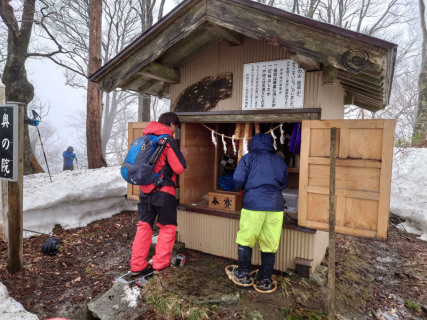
420, 128
94, 95
18, 88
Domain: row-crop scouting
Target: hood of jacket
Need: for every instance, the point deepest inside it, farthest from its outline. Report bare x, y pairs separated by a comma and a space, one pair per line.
261, 141
157, 129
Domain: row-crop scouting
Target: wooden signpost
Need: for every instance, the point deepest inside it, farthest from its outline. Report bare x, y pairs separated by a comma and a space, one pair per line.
11, 174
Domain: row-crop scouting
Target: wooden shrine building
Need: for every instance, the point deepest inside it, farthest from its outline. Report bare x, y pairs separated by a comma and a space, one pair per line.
232, 68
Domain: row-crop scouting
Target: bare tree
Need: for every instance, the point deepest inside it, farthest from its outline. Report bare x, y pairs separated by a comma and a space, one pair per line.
420, 128
94, 94
18, 88
123, 25
68, 22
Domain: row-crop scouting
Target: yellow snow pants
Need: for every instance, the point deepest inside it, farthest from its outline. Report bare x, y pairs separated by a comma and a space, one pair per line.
262, 226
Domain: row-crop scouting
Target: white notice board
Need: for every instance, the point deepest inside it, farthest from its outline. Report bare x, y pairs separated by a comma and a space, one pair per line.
275, 84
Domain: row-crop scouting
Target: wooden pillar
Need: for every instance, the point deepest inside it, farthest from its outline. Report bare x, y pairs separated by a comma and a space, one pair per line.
15, 261
331, 258
144, 106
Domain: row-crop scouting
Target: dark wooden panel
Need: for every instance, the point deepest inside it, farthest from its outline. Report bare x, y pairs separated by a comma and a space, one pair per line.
262, 116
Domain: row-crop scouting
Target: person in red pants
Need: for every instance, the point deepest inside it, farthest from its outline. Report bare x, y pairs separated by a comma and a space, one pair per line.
159, 202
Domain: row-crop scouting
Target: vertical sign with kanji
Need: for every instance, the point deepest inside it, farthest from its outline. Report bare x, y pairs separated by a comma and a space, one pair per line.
275, 84
8, 142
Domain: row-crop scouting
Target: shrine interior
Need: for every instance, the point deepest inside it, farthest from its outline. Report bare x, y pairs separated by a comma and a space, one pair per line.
210, 167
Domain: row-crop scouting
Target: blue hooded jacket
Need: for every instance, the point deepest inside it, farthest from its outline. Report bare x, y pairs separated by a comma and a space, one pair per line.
262, 175
69, 156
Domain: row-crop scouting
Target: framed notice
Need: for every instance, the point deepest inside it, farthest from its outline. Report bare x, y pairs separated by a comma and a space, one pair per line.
8, 142
275, 84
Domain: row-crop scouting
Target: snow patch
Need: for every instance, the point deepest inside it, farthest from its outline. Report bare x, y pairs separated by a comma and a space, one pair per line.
10, 309
408, 198
73, 198
131, 296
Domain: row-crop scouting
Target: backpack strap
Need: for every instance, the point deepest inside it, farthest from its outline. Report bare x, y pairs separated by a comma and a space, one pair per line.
163, 140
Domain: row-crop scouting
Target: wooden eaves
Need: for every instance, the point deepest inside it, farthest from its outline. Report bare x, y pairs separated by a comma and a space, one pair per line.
363, 65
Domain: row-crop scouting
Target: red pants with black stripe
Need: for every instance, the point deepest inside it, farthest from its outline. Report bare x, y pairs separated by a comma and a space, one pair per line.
163, 206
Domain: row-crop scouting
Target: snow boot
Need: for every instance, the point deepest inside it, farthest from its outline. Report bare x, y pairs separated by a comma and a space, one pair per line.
263, 282
241, 275
264, 285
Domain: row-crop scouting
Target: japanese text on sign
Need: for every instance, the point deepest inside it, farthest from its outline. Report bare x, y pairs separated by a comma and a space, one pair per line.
8, 147
273, 85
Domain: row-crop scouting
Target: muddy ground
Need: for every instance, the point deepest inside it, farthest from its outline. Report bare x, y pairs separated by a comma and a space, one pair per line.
374, 279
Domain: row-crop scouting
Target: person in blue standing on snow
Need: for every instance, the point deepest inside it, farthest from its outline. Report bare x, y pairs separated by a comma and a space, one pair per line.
69, 157
262, 175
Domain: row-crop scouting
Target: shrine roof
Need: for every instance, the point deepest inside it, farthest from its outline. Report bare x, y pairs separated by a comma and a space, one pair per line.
362, 64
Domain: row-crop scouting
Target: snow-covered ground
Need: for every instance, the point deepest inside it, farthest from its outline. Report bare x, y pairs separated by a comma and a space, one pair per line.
73, 198
409, 189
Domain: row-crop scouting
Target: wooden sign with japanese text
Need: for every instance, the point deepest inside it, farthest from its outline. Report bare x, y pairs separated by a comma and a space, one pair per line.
222, 200
273, 85
8, 139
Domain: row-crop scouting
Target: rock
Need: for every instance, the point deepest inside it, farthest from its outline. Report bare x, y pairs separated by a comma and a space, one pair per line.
120, 302
319, 276
10, 309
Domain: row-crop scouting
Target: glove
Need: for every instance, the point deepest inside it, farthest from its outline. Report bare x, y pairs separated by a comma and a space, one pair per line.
35, 122
51, 246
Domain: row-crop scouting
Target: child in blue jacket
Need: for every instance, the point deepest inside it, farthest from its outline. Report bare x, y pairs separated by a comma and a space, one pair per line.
262, 175
69, 157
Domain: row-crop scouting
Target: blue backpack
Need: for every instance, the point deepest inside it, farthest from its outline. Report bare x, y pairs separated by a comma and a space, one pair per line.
141, 159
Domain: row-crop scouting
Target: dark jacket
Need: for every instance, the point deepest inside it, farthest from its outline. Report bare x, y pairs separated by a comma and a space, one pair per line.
262, 175
171, 157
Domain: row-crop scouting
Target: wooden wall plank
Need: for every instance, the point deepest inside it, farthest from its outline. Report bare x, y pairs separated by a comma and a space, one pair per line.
385, 181
340, 203
346, 192
363, 177
343, 229
343, 149
365, 143
347, 162
349, 124
303, 174
317, 208
361, 214
135, 130
198, 178
242, 116
357, 178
